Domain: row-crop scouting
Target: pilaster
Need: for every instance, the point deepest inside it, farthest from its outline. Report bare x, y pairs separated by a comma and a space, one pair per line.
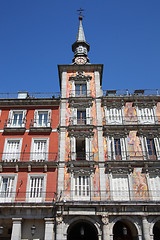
16, 229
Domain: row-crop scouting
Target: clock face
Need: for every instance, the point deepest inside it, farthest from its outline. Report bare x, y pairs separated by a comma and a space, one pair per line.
80, 60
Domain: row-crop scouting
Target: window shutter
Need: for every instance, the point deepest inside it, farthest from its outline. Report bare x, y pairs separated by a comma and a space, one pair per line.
35, 121
123, 149
146, 148
75, 116
73, 148
120, 188
88, 119
112, 149
87, 147
154, 183
157, 147
109, 148
10, 118
49, 118
24, 118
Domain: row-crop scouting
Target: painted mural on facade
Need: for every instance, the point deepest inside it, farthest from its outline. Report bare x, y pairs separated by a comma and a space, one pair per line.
158, 111
96, 184
130, 113
134, 146
140, 188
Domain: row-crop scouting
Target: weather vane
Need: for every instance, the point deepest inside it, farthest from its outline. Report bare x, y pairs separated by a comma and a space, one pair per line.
80, 13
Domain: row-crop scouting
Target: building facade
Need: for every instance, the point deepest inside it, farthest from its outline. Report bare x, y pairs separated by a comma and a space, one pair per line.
28, 165
81, 166
108, 175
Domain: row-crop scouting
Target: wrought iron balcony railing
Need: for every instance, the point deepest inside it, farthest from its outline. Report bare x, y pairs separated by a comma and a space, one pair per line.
129, 92
119, 120
15, 123
80, 93
132, 155
51, 95
40, 123
81, 156
80, 121
29, 156
81, 194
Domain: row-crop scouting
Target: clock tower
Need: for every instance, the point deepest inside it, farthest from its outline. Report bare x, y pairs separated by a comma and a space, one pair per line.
80, 47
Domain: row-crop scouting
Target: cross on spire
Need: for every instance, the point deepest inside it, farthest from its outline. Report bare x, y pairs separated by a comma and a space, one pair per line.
80, 13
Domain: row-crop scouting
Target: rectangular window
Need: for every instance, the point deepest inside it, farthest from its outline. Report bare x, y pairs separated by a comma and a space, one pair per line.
154, 185
120, 187
113, 116
36, 185
42, 118
81, 187
117, 147
17, 118
6, 188
151, 148
145, 115
39, 149
81, 117
12, 149
81, 90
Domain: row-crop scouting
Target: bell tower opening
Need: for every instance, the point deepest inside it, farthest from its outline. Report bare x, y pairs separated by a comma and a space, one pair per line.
82, 231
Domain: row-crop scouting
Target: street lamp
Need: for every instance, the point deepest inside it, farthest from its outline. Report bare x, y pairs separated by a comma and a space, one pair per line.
33, 229
82, 231
1, 230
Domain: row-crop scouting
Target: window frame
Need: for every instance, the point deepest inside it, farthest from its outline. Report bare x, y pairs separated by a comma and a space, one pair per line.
28, 189
32, 148
5, 147
11, 118
36, 118
13, 192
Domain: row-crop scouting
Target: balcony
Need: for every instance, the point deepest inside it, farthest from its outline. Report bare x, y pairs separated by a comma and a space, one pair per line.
134, 120
132, 155
81, 156
80, 93
29, 156
130, 92
110, 197
15, 125
82, 195
37, 126
80, 121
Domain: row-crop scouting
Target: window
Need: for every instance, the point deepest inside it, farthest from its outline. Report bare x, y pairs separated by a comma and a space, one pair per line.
81, 187
81, 90
35, 188
145, 115
117, 148
120, 187
39, 149
154, 187
7, 188
114, 115
81, 117
81, 149
42, 118
12, 149
17, 118
151, 147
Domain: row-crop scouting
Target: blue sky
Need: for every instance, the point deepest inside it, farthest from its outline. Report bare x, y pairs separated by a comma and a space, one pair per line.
36, 35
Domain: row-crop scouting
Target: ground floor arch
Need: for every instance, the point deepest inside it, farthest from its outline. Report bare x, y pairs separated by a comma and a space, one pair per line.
124, 229
156, 230
82, 230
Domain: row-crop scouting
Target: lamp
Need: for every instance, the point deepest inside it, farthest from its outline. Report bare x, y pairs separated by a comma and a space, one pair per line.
1, 230
33, 229
124, 231
82, 230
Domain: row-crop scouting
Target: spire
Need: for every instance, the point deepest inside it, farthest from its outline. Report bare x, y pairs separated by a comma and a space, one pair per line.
80, 34
80, 47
